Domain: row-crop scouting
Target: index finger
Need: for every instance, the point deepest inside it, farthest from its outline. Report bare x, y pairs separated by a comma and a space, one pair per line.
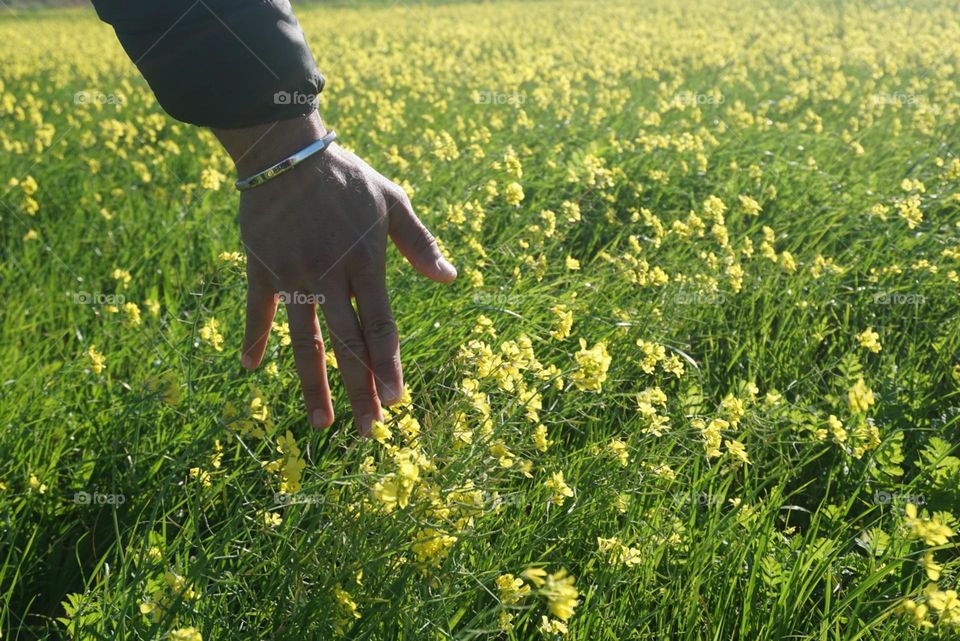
261, 309
308, 353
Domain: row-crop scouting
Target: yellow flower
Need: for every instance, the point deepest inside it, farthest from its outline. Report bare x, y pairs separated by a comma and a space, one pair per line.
179, 586
943, 601
235, 258
787, 262
36, 485
712, 434
869, 339
201, 475
271, 519
432, 545
564, 322
749, 205
210, 333
184, 634
511, 589
97, 360
381, 432
31, 206
282, 331
593, 365
916, 611
549, 626
620, 451
484, 326
836, 429
737, 450
931, 567
933, 531
622, 502
123, 276
540, 438
29, 186
909, 210
714, 208
505, 621
561, 491
292, 466
535, 576
211, 179
133, 314
514, 194
347, 606
616, 552
860, 397
561, 594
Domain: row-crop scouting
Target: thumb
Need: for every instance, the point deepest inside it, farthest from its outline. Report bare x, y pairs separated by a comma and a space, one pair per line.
416, 243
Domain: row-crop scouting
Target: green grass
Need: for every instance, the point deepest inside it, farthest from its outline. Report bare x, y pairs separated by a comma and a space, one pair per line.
810, 553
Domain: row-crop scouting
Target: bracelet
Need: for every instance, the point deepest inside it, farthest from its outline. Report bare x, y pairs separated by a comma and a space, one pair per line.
287, 163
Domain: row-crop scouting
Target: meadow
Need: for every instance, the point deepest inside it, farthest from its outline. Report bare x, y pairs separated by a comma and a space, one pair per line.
699, 377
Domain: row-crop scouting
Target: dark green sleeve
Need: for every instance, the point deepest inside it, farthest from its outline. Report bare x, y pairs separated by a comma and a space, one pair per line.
219, 63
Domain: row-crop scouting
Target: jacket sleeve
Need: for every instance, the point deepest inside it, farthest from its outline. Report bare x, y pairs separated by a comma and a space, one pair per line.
219, 63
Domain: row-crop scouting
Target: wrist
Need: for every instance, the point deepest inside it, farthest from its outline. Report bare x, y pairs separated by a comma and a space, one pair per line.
256, 148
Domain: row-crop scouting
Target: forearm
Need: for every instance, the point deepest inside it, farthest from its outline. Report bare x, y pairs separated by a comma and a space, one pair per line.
255, 148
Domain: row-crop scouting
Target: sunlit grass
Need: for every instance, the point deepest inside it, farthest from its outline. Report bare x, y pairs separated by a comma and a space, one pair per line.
716, 192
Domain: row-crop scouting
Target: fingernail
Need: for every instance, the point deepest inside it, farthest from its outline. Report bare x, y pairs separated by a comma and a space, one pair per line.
390, 394
448, 270
247, 361
318, 418
365, 424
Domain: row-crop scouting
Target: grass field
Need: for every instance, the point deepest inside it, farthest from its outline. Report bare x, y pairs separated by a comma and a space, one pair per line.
699, 377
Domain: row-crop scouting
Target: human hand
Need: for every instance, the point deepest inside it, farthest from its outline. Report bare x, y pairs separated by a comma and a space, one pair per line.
316, 236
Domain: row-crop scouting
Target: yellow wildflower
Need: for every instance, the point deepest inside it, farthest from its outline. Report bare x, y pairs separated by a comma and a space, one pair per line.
860, 397
869, 339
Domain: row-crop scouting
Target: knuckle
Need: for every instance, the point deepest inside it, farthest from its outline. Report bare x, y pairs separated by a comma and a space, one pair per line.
388, 368
306, 343
381, 328
397, 194
313, 390
352, 347
425, 241
360, 395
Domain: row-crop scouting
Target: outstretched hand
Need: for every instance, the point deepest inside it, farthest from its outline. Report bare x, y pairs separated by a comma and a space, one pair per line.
316, 236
